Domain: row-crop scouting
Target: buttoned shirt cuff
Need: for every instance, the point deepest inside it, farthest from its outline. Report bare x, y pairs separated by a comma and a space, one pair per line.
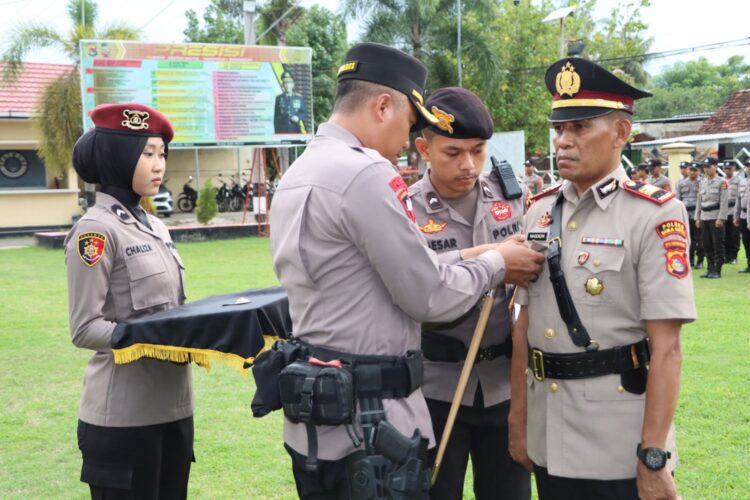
497, 265
683, 310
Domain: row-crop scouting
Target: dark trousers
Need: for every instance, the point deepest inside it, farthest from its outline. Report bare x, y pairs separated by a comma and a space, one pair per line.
731, 240
745, 232
713, 244
149, 462
696, 245
564, 488
330, 481
481, 433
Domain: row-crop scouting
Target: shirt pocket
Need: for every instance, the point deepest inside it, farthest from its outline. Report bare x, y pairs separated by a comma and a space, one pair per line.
596, 277
149, 285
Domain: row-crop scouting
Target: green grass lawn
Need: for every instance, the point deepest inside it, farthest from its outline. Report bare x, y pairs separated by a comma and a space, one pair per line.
239, 456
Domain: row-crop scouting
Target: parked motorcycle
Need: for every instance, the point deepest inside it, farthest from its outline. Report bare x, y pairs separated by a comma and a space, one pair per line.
223, 196
188, 198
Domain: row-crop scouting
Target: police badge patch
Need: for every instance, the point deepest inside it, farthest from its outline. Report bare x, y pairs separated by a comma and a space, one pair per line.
91, 247
676, 253
402, 193
501, 211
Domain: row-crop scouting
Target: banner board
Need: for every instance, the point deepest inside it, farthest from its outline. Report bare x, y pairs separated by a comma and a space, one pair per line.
214, 95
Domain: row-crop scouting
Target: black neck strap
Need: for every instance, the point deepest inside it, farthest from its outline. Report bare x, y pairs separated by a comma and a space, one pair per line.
578, 333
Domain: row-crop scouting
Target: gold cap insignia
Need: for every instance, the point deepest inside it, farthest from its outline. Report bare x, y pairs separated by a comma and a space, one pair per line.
347, 67
135, 119
432, 227
567, 82
444, 119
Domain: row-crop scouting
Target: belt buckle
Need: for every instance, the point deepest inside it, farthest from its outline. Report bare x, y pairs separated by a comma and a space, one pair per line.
537, 364
483, 354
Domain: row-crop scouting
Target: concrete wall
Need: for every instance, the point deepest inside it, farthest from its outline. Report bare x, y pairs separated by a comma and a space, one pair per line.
210, 163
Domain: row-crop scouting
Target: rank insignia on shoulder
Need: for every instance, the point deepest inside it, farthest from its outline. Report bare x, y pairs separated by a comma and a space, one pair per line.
486, 190
670, 227
548, 191
91, 247
501, 211
120, 212
676, 254
607, 187
432, 227
402, 193
648, 191
433, 201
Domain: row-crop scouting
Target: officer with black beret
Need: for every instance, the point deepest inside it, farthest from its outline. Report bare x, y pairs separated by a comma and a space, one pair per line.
460, 210
600, 327
361, 278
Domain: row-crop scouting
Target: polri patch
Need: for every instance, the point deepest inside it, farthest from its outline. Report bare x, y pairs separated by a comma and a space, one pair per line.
670, 227
402, 193
676, 253
91, 247
501, 211
432, 227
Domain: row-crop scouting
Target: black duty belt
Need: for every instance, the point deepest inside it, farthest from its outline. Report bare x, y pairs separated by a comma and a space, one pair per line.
709, 208
689, 208
385, 377
436, 347
588, 364
732, 203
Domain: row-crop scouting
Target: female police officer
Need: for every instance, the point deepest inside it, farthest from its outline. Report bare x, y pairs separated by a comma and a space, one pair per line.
135, 428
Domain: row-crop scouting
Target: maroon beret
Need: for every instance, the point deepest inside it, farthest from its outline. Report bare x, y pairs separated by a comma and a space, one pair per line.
132, 118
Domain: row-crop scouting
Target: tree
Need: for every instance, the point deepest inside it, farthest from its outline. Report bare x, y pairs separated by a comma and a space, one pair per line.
59, 109
206, 207
223, 22
694, 87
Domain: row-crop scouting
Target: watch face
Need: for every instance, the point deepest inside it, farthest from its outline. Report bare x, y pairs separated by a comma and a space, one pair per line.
655, 459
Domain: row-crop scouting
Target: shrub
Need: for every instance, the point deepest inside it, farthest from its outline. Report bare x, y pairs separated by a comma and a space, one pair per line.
206, 207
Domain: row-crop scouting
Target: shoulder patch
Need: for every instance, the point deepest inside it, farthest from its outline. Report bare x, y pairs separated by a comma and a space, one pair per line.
548, 191
399, 187
648, 192
91, 247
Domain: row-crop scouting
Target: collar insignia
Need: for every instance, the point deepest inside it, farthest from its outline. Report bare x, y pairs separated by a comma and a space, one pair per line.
567, 82
607, 187
486, 190
433, 201
135, 119
432, 227
444, 119
120, 212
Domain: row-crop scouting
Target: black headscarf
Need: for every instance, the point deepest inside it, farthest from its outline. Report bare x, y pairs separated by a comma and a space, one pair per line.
110, 159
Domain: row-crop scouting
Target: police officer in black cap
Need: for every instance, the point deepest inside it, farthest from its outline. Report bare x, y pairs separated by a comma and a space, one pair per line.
657, 178
711, 215
460, 209
687, 192
360, 280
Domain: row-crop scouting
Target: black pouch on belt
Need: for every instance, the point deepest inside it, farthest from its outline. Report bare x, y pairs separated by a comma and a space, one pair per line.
266, 371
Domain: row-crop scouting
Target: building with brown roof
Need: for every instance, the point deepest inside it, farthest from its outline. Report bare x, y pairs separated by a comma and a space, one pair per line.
30, 196
732, 116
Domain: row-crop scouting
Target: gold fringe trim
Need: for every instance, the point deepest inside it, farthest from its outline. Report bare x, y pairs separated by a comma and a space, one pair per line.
201, 357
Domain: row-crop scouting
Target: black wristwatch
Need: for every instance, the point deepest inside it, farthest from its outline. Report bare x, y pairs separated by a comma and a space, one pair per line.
653, 458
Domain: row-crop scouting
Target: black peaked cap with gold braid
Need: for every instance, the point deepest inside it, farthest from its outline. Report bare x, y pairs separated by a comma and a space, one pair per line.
460, 113
376, 63
582, 89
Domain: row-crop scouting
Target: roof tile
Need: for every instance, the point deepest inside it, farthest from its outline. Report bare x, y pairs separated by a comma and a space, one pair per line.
24, 94
732, 116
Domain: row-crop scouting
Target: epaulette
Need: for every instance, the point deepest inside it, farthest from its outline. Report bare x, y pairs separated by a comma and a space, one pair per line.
542, 194
648, 191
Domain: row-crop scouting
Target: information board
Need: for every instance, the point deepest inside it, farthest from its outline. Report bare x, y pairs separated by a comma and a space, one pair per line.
214, 95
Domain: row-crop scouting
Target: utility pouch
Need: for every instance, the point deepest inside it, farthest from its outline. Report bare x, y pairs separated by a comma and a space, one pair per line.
316, 392
266, 371
634, 381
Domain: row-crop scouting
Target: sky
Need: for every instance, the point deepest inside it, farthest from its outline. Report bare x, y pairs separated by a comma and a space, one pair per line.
673, 25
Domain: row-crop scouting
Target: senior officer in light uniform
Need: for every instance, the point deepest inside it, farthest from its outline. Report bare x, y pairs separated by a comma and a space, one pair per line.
595, 428
135, 428
459, 210
359, 274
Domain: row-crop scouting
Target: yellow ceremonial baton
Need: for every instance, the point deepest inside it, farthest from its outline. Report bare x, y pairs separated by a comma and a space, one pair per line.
463, 380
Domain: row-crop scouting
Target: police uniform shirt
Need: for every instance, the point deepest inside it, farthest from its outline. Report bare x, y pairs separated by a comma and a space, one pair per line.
447, 232
740, 208
589, 428
533, 183
120, 270
359, 274
713, 199
732, 190
687, 193
661, 182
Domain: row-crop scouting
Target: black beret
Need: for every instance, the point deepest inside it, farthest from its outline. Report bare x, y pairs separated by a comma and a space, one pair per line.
710, 160
684, 164
460, 113
655, 162
582, 89
729, 163
376, 63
